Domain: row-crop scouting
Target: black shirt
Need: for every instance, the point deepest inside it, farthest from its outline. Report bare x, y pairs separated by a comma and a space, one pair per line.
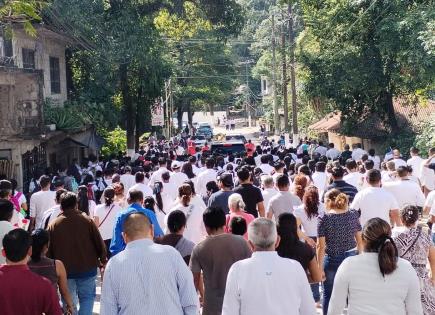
251, 195
301, 252
344, 187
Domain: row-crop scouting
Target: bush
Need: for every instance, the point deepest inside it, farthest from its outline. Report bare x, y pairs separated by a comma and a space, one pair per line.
116, 140
426, 136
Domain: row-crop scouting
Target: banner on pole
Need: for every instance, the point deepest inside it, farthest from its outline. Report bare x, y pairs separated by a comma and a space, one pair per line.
157, 113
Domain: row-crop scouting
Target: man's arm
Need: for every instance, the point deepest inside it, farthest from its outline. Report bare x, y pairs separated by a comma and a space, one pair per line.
109, 299
32, 213
231, 304
157, 229
261, 211
186, 287
51, 301
117, 244
100, 247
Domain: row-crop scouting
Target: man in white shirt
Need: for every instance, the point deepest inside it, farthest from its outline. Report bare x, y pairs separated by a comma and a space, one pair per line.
406, 192
375, 158
321, 149
320, 178
145, 189
390, 175
429, 203
268, 189
284, 201
427, 176
415, 161
206, 176
41, 201
267, 283
353, 177
177, 177
332, 153
358, 152
6, 210
397, 158
265, 167
157, 175
127, 179
376, 202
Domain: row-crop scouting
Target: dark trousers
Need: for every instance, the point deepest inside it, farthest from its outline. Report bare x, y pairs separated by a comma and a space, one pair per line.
107, 243
330, 265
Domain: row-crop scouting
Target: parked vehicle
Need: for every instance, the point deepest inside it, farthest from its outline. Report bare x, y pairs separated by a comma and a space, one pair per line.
236, 137
225, 148
205, 130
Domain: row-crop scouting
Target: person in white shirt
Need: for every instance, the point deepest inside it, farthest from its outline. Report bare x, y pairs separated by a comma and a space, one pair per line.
157, 175
269, 190
406, 192
358, 152
415, 161
6, 210
371, 285
376, 202
170, 189
320, 178
375, 158
284, 201
127, 179
321, 149
267, 283
332, 153
427, 176
145, 189
41, 201
390, 174
429, 203
353, 177
265, 167
177, 177
206, 176
397, 158
105, 215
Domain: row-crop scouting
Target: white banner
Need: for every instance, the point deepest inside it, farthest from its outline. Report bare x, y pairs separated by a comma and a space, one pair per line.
157, 114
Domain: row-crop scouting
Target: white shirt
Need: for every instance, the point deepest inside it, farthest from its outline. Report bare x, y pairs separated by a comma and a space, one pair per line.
432, 213
5, 227
106, 227
207, 176
354, 179
40, 202
376, 161
309, 225
320, 180
399, 162
145, 189
360, 281
195, 229
357, 154
157, 176
268, 193
430, 200
333, 154
170, 190
267, 284
321, 150
415, 162
178, 178
427, 176
374, 202
128, 181
266, 168
406, 192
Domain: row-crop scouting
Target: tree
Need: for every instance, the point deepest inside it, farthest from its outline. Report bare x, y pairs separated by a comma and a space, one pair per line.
21, 12
361, 55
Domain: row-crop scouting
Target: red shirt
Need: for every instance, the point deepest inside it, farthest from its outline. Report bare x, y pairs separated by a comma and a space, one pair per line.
24, 292
205, 148
250, 147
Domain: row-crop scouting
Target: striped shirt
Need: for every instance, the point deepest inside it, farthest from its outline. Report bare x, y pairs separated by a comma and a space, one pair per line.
344, 187
148, 278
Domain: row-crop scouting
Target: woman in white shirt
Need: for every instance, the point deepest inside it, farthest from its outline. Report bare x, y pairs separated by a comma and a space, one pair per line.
85, 204
377, 281
105, 215
195, 229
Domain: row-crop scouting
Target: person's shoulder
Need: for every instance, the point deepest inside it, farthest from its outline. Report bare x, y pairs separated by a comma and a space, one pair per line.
405, 266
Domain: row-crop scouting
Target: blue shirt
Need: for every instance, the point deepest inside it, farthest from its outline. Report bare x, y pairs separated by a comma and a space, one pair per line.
148, 278
117, 244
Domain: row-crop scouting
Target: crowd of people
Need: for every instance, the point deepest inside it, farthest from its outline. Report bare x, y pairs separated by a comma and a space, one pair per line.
275, 230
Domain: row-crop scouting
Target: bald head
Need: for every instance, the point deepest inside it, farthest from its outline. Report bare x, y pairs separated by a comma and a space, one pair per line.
137, 226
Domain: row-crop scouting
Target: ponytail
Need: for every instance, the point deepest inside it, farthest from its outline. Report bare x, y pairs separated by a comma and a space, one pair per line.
388, 256
335, 199
109, 196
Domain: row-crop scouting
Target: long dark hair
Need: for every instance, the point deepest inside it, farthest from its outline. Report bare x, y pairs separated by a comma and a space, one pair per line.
82, 199
377, 237
158, 186
188, 170
108, 195
288, 232
311, 201
40, 238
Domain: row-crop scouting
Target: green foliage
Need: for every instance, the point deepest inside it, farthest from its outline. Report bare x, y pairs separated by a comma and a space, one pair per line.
362, 54
426, 136
21, 11
116, 141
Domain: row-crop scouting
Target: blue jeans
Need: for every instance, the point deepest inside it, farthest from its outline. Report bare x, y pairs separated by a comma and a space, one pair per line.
83, 292
330, 265
315, 288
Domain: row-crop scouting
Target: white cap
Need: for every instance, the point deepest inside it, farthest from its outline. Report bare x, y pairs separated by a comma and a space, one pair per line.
176, 164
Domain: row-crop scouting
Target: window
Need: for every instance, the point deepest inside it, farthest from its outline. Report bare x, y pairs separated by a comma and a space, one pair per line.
28, 58
54, 75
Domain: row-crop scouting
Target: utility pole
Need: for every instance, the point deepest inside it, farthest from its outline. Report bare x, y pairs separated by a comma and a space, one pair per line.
275, 101
284, 72
293, 71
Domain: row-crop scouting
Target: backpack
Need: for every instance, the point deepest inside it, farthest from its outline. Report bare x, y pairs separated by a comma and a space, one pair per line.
16, 201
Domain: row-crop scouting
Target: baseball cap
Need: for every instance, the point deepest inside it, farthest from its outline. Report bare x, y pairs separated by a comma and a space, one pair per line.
176, 164
226, 179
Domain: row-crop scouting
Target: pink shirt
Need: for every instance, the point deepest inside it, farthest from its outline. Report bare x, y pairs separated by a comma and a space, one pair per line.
248, 218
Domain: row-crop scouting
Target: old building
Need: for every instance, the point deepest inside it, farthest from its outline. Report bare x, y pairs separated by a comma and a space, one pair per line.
33, 71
